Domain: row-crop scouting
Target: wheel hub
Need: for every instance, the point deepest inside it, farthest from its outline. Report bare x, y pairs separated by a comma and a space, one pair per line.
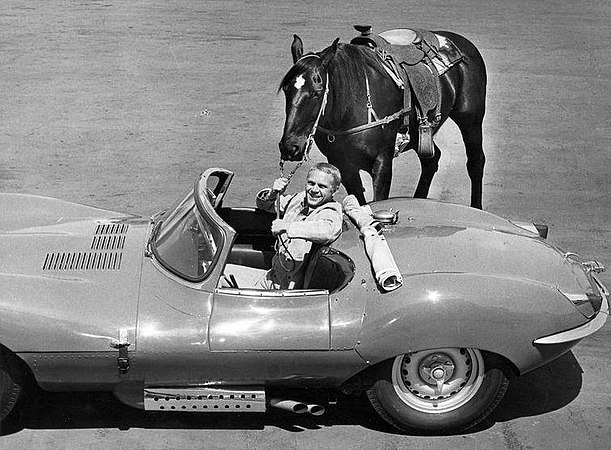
435, 368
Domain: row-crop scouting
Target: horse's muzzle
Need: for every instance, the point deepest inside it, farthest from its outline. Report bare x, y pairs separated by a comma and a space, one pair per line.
291, 151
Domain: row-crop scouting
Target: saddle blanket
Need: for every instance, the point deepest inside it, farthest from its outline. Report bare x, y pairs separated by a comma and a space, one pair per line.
447, 57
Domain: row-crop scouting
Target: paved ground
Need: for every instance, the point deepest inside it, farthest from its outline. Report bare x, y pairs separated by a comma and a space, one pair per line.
121, 104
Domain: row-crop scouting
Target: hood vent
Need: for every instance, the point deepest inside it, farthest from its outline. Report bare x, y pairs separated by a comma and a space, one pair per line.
105, 254
109, 236
83, 261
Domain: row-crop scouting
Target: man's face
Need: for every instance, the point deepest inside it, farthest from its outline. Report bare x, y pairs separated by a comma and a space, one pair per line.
319, 188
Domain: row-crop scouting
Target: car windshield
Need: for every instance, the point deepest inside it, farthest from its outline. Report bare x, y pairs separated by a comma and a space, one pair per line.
186, 243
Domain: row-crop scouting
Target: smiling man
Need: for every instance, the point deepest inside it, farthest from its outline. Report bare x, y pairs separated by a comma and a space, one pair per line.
310, 216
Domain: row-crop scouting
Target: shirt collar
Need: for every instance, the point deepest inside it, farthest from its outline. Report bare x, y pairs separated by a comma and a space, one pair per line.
305, 209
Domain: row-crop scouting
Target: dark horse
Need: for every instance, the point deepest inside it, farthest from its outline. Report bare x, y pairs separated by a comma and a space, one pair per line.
337, 76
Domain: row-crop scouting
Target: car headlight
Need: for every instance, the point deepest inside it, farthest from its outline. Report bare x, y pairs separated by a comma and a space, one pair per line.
583, 292
588, 304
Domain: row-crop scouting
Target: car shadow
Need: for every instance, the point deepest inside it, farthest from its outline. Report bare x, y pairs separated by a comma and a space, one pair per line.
543, 390
546, 389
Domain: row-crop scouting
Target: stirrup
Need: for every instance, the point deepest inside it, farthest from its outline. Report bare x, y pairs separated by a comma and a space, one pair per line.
426, 148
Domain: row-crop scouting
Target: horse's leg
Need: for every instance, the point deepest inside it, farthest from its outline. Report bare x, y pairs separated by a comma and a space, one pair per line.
429, 167
349, 157
471, 130
468, 109
351, 178
353, 184
381, 175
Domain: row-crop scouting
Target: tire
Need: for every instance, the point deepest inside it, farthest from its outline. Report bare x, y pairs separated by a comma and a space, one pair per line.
11, 384
438, 390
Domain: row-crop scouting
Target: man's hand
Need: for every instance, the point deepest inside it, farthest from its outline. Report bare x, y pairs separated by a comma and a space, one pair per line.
278, 187
279, 226
280, 184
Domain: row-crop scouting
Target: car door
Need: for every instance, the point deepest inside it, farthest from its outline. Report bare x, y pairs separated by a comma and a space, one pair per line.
244, 320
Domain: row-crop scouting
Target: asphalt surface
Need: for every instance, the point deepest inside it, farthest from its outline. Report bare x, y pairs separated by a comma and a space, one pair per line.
122, 104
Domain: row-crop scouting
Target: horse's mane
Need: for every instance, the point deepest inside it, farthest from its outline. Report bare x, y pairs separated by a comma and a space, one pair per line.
346, 68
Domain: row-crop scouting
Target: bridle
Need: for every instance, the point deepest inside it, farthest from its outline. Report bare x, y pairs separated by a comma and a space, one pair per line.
372, 119
315, 127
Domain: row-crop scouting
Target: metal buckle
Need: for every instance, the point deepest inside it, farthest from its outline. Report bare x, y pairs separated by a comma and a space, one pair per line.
123, 364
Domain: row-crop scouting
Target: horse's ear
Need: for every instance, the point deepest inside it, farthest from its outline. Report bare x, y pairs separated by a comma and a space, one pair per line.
329, 52
296, 48
335, 44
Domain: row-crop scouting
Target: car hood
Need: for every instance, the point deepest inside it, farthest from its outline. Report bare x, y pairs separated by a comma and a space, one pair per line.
70, 274
434, 237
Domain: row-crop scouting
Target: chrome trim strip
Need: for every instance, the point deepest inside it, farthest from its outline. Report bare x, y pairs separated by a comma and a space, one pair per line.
273, 293
601, 286
584, 330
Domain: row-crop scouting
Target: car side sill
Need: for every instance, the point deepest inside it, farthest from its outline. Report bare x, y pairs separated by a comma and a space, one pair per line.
583, 330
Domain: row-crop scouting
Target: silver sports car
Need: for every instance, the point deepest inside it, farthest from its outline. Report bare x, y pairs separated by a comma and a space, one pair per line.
98, 300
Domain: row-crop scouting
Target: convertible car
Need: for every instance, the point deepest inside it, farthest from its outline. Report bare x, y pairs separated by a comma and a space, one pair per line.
103, 301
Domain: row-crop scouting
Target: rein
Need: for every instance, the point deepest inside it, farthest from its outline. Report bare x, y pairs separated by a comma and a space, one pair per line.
279, 241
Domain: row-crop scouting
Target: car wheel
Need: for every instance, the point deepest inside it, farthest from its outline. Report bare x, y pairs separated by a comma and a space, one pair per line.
446, 389
10, 384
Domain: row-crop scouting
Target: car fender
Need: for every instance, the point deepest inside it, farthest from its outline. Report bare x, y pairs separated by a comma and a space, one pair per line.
55, 331
490, 313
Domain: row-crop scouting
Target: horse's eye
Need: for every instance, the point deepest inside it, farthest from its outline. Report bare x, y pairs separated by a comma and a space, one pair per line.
317, 79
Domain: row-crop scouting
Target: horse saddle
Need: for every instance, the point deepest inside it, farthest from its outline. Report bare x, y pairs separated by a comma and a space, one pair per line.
411, 55
404, 44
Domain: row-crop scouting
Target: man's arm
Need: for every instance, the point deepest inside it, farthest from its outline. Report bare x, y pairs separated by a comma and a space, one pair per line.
267, 202
266, 198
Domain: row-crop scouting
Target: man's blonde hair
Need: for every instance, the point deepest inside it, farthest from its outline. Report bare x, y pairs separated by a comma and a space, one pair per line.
328, 169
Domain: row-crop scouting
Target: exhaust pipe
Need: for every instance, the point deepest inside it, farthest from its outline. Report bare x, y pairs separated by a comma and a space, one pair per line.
289, 405
315, 410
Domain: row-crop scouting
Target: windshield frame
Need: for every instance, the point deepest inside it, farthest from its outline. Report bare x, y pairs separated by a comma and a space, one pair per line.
201, 206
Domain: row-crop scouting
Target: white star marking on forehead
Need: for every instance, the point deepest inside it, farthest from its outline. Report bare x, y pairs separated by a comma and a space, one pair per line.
299, 82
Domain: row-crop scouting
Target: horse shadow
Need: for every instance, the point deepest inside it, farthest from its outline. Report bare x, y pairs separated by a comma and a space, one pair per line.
544, 390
